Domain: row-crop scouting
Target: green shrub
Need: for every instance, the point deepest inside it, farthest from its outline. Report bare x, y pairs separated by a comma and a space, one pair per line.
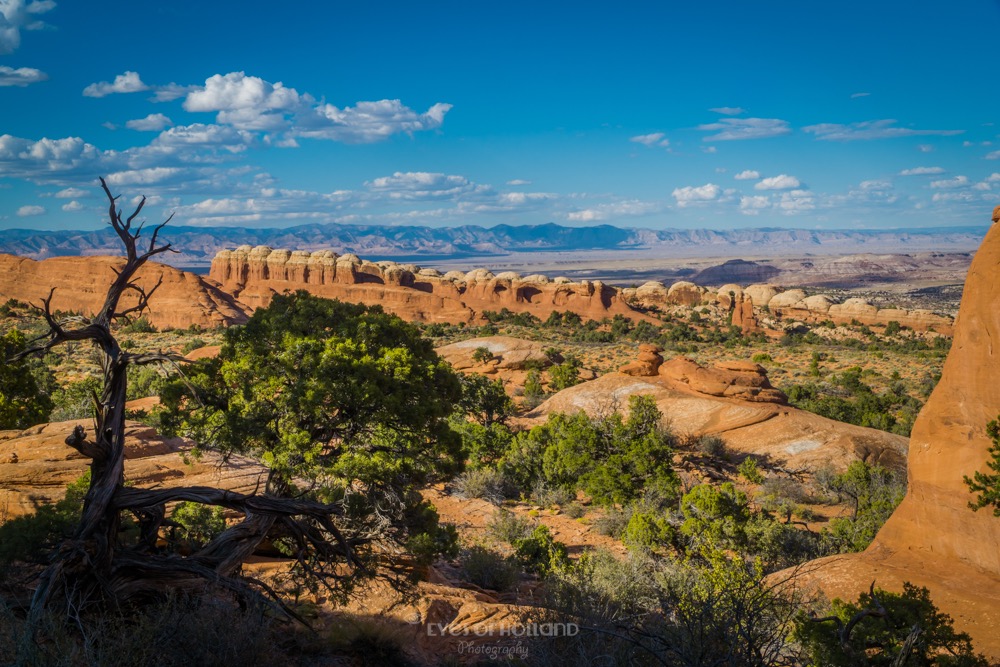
24, 386
489, 569
482, 355
193, 344
712, 445
485, 483
508, 527
30, 538
750, 471
875, 492
539, 552
648, 530
200, 523
880, 639
139, 325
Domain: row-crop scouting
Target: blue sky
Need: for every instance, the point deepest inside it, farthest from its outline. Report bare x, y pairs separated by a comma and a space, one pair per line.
721, 115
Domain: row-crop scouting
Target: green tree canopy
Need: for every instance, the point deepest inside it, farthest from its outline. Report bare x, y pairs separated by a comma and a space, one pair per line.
23, 402
323, 389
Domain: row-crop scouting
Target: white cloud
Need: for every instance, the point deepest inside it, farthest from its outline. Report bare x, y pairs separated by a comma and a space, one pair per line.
620, 209
154, 122
950, 183
16, 15
694, 195
921, 171
780, 182
71, 193
795, 201
72, 206
869, 129
747, 175
142, 176
129, 82
419, 185
367, 122
925, 148
518, 181
855, 96
731, 129
21, 76
28, 211
995, 155
728, 111
709, 149
253, 104
653, 139
754, 205
246, 102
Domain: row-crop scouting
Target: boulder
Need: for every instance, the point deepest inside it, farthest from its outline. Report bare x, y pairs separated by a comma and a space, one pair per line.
760, 294
647, 364
743, 381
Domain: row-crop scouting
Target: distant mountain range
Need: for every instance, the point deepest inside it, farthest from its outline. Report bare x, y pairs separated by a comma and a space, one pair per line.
199, 244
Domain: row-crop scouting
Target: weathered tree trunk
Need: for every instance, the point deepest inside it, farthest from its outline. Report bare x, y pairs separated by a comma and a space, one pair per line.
92, 567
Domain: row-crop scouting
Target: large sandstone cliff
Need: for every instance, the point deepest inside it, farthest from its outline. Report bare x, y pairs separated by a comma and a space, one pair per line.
934, 539
255, 275
81, 284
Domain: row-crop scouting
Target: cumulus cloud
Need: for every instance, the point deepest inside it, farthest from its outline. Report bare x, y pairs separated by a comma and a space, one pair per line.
147, 176
72, 207
154, 122
795, 201
70, 193
728, 111
246, 102
780, 182
921, 171
253, 104
694, 195
733, 129
747, 175
950, 183
868, 130
653, 139
129, 82
995, 155
628, 208
29, 211
518, 181
367, 122
22, 76
753, 205
925, 148
419, 185
855, 96
17, 15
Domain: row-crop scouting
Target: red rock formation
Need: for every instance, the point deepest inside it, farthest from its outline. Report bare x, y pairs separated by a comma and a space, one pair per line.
743, 315
744, 380
934, 539
648, 363
81, 284
255, 275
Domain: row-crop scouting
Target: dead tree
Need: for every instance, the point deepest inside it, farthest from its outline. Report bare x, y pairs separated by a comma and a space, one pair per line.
93, 566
